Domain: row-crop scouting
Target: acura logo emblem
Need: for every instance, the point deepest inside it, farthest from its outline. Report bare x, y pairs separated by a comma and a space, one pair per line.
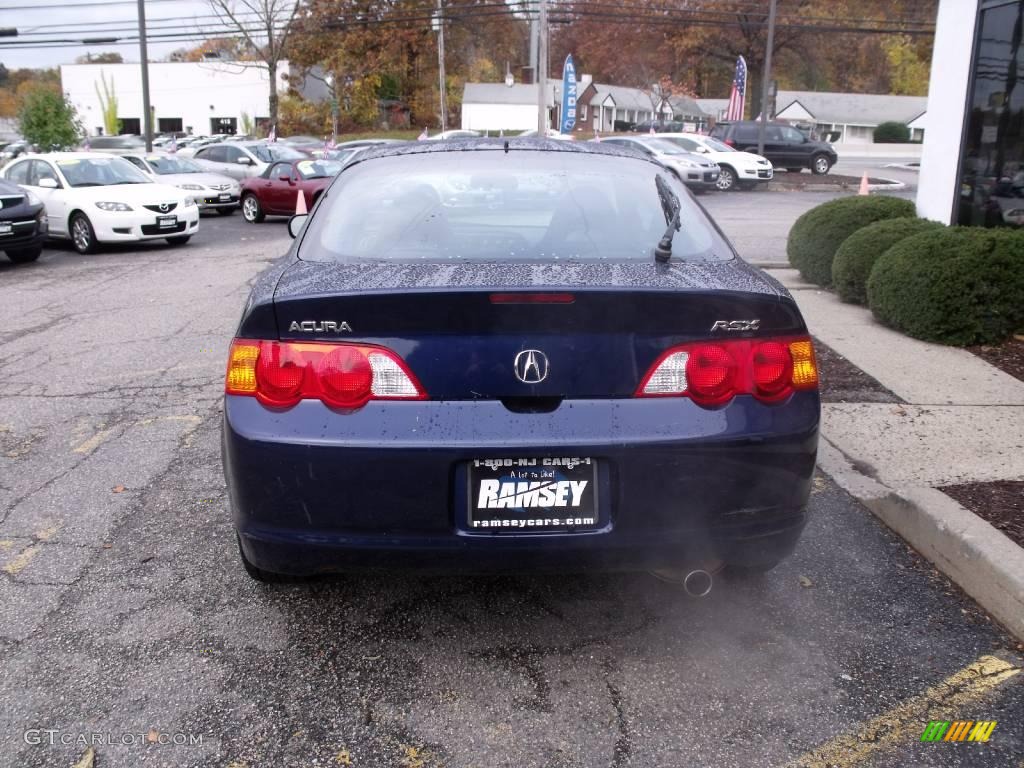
531, 366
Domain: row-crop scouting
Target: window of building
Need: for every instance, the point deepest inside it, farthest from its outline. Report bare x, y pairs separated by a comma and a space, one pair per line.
130, 125
992, 156
169, 124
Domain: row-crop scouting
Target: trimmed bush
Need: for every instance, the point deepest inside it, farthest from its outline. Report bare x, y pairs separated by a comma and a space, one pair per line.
817, 235
956, 285
891, 133
859, 252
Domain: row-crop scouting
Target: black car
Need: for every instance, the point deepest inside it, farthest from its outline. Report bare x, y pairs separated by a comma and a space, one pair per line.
23, 226
784, 145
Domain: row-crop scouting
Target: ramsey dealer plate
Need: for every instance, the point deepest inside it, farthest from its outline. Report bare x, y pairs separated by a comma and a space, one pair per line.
536, 494
166, 222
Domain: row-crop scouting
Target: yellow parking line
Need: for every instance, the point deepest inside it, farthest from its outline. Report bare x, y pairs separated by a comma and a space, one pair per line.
906, 721
19, 562
94, 442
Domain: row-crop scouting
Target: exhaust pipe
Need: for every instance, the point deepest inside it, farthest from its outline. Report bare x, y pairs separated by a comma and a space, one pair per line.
697, 583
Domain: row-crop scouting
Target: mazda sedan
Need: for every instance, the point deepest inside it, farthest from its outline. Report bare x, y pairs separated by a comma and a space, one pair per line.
516, 355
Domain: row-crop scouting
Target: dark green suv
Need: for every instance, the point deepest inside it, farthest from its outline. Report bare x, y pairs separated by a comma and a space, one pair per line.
784, 145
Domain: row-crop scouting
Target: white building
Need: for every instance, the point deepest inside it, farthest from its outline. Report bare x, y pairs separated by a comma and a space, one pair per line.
497, 106
852, 116
195, 97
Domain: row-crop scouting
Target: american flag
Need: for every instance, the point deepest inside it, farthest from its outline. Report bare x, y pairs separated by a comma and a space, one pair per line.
272, 136
174, 144
423, 136
738, 95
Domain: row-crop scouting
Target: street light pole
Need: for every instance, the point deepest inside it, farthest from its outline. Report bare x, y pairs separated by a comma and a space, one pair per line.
766, 79
440, 66
542, 71
147, 114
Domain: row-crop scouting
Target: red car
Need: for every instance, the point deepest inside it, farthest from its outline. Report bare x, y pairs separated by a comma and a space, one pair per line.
275, 192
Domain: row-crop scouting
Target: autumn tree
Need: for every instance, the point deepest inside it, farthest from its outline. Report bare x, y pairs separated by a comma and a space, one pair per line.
266, 27
47, 119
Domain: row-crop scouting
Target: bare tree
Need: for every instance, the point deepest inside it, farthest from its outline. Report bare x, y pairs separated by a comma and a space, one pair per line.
265, 26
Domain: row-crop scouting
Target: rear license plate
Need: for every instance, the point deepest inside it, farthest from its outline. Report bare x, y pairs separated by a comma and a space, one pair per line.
536, 494
225, 198
6, 228
166, 222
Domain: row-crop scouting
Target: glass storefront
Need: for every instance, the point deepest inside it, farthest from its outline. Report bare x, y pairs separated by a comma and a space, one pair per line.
992, 159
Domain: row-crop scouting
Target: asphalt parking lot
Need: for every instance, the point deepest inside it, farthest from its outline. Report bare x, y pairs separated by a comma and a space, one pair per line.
126, 619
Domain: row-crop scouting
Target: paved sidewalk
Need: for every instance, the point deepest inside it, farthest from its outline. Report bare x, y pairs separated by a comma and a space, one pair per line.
962, 421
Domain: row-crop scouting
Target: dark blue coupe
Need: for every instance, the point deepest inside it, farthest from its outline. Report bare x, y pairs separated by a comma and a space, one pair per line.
516, 355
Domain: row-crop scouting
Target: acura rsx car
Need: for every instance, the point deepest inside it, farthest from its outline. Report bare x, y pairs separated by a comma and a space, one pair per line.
516, 355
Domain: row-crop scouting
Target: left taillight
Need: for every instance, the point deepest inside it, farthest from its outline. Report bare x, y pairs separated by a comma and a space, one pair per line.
346, 376
712, 373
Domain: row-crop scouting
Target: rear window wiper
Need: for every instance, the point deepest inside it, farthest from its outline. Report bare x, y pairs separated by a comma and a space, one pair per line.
671, 207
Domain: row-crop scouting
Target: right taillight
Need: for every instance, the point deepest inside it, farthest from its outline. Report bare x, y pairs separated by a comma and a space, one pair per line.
712, 374
345, 376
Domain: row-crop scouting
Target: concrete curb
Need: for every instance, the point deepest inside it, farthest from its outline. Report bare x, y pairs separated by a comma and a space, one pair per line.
982, 560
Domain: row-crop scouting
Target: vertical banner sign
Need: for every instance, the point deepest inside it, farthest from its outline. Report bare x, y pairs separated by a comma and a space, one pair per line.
568, 95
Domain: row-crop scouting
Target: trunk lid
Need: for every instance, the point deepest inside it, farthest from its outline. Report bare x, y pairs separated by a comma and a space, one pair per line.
610, 323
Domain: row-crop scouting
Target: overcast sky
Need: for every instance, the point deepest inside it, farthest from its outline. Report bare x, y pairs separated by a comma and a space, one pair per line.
38, 20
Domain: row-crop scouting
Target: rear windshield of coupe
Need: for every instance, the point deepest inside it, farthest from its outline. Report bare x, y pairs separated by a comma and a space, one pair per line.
494, 206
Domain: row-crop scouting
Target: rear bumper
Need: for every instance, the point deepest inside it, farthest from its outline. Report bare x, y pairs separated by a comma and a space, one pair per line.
315, 491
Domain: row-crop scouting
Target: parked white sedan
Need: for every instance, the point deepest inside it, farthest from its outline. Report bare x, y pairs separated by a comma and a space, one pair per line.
737, 169
93, 198
211, 191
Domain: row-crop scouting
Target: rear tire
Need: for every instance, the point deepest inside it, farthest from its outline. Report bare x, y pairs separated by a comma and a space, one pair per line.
179, 240
258, 574
226, 211
252, 211
83, 236
820, 165
24, 255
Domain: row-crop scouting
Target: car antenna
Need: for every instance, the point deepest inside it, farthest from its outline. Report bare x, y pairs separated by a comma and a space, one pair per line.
506, 146
671, 206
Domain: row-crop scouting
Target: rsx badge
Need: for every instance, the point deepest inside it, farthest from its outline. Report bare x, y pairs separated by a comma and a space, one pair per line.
320, 326
735, 325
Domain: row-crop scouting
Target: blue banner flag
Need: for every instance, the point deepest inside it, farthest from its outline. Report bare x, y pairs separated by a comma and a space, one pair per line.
568, 95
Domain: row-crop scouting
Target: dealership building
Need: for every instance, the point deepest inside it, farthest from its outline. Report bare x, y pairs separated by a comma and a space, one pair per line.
972, 164
202, 97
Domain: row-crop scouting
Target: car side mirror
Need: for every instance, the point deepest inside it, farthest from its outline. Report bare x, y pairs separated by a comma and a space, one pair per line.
295, 224
285, 177
243, 160
48, 184
703, 150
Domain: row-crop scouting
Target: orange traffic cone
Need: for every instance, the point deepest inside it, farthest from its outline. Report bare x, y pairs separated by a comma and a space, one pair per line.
300, 204
864, 185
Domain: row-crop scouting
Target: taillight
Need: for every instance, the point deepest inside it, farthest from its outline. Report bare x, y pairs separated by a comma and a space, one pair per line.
281, 373
713, 373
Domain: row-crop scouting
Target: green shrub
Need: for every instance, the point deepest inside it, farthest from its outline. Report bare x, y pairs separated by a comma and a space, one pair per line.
957, 285
891, 133
817, 234
859, 252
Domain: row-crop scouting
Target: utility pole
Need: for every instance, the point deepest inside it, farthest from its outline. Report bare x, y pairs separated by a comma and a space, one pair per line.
766, 79
440, 66
147, 114
534, 35
542, 71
